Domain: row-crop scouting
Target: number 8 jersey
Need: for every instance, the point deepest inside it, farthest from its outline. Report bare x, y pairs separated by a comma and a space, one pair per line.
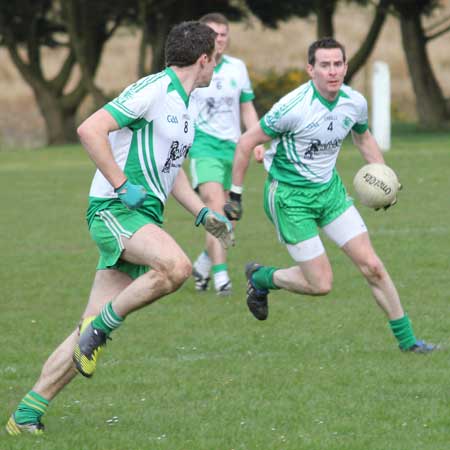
156, 122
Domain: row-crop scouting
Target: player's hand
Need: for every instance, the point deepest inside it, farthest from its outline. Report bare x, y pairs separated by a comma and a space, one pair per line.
131, 195
394, 202
233, 207
258, 153
216, 224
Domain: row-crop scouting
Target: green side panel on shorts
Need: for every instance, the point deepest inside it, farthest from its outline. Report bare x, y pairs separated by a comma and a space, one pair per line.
207, 146
110, 221
152, 208
204, 170
299, 213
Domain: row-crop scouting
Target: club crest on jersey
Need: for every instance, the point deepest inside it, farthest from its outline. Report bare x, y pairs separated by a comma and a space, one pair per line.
176, 152
347, 123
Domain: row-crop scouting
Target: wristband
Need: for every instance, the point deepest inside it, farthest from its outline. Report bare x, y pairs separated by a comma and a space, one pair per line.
201, 215
117, 189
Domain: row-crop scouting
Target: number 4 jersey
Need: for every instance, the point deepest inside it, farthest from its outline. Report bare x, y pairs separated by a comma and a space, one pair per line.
308, 132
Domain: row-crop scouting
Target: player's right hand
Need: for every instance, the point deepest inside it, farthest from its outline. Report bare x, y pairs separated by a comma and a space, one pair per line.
131, 195
233, 209
258, 153
219, 226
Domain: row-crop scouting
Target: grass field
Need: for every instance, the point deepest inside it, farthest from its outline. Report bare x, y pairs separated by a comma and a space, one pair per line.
198, 372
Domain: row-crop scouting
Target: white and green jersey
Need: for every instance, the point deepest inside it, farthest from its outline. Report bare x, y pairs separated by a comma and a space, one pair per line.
219, 108
156, 122
308, 132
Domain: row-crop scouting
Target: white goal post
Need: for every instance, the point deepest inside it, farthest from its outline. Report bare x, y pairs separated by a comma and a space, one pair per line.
381, 105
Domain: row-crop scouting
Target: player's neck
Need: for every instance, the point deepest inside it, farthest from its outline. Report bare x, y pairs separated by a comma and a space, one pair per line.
187, 77
329, 96
219, 58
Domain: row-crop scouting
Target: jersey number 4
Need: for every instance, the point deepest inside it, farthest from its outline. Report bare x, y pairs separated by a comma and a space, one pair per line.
330, 127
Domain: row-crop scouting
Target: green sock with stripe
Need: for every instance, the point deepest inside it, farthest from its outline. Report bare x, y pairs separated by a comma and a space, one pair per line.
263, 278
107, 320
403, 332
30, 410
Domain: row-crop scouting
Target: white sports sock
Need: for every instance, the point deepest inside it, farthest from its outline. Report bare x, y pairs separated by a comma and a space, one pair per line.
221, 278
203, 264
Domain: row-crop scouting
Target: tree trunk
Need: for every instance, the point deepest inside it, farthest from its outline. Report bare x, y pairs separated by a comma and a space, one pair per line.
158, 32
59, 120
430, 102
361, 56
325, 11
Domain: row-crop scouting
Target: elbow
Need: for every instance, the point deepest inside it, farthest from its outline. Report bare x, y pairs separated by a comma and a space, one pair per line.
82, 131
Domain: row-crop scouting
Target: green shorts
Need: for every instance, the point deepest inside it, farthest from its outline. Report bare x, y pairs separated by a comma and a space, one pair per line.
298, 213
109, 225
204, 170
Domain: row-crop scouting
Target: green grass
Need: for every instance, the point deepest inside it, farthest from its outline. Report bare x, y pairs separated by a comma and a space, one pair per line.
198, 372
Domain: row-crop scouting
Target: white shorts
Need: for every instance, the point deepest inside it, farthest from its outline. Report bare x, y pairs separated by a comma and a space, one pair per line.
345, 227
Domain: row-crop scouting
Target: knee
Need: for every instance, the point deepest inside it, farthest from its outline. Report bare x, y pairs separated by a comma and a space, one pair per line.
322, 286
373, 269
318, 285
178, 272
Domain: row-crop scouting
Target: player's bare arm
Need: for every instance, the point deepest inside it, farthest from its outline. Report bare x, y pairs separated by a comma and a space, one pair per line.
250, 118
368, 147
247, 142
93, 134
214, 223
185, 195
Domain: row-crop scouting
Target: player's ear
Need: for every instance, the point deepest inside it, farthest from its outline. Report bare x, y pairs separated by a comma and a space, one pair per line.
203, 59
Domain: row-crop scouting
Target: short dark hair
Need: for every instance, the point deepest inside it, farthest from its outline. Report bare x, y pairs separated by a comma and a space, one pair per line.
214, 17
187, 41
326, 42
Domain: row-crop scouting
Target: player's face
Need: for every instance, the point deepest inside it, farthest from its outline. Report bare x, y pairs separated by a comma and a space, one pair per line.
328, 71
222, 38
207, 65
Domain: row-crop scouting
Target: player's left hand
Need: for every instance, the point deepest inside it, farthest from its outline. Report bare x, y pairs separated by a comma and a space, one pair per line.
216, 224
258, 153
131, 195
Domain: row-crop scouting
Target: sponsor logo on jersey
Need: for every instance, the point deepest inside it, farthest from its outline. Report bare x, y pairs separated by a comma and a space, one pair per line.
220, 105
317, 146
172, 119
177, 151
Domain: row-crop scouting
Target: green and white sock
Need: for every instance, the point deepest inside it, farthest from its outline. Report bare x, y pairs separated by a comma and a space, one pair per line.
221, 276
107, 320
263, 278
30, 410
403, 332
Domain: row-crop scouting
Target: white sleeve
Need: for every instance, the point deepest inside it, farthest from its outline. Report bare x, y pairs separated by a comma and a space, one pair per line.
135, 102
